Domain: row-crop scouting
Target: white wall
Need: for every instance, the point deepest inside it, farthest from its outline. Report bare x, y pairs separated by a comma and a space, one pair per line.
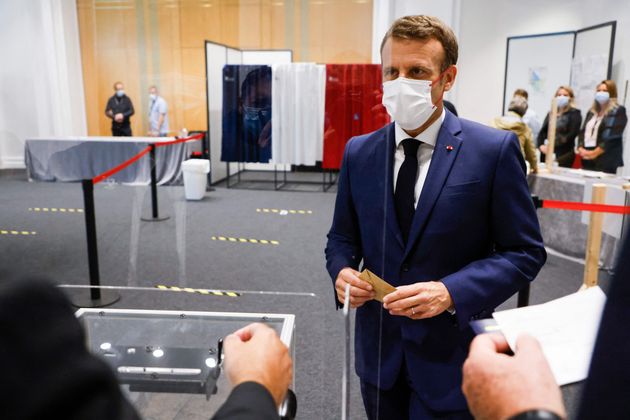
41, 82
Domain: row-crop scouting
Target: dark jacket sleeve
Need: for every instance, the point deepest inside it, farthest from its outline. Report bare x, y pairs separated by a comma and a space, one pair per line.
575, 122
47, 369
248, 401
612, 127
129, 111
109, 107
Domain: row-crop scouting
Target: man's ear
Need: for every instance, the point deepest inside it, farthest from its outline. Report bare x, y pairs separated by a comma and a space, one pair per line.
450, 74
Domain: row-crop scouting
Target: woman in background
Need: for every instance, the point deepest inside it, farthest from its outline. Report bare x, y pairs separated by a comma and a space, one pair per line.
601, 138
567, 128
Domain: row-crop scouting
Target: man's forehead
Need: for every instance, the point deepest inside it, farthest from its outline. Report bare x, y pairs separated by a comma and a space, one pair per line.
401, 50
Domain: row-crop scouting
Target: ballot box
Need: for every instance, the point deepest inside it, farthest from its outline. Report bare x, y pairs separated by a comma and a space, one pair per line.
165, 358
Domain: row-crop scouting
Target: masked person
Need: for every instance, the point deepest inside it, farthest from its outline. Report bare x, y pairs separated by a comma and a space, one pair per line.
158, 114
568, 124
246, 135
513, 121
601, 139
119, 108
439, 207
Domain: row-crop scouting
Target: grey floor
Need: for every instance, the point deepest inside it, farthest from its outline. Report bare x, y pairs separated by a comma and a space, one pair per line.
181, 252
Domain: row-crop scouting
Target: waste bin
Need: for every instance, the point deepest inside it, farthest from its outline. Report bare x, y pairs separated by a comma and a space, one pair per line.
195, 178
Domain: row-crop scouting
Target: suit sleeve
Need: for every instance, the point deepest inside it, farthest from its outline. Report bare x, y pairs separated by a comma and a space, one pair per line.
108, 108
248, 401
344, 240
47, 369
518, 247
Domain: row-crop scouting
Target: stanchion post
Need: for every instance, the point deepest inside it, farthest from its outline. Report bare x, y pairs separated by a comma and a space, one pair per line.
594, 239
154, 197
90, 229
97, 297
551, 136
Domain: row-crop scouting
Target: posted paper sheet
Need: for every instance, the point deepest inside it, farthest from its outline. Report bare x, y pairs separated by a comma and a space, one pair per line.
566, 328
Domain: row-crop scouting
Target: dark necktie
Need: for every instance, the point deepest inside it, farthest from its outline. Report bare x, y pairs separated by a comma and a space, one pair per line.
405, 186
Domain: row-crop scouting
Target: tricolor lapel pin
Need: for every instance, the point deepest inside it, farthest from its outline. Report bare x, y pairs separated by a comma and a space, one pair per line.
449, 148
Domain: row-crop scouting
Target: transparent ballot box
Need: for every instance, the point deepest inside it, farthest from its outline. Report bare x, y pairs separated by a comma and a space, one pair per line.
156, 352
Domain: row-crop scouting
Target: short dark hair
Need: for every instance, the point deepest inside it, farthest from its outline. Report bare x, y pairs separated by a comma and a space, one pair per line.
118, 83
521, 92
422, 27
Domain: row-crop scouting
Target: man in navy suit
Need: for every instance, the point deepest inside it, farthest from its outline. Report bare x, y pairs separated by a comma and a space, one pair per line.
440, 208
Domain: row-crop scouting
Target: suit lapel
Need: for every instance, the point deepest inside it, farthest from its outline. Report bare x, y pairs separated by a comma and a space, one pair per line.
446, 151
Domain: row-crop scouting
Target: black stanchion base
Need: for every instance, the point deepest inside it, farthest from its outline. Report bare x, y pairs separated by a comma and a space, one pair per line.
83, 298
155, 219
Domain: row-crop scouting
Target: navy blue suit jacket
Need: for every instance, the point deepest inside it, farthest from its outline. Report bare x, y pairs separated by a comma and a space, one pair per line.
475, 229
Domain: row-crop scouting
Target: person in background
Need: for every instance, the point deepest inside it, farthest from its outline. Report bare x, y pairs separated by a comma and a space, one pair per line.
158, 114
567, 128
48, 371
513, 121
119, 108
531, 117
601, 140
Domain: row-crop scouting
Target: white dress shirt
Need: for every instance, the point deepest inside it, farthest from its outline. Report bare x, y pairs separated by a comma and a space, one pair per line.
427, 139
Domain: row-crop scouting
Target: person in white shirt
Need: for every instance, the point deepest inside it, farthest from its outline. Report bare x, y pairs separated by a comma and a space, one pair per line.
158, 114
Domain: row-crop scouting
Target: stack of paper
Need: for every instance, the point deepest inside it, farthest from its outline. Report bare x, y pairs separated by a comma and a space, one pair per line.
566, 328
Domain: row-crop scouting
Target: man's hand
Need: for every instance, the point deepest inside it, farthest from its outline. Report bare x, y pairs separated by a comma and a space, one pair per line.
119, 117
543, 148
360, 291
255, 353
419, 300
498, 386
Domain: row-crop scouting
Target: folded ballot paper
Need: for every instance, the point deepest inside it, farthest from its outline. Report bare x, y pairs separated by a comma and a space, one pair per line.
380, 286
566, 328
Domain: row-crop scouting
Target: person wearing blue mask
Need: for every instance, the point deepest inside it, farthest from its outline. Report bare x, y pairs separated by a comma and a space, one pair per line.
158, 114
119, 108
438, 206
601, 138
567, 128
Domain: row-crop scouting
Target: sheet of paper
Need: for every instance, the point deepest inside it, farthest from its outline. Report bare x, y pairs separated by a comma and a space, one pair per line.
381, 287
566, 328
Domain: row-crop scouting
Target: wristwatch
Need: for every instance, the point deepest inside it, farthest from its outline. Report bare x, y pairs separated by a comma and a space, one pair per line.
536, 415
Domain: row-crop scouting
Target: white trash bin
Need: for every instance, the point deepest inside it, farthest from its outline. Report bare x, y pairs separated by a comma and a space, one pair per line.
195, 178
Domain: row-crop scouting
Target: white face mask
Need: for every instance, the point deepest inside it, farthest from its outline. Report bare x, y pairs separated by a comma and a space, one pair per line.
408, 101
152, 96
602, 97
562, 101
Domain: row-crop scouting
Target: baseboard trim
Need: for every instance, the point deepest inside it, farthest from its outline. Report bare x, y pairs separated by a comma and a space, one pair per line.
13, 162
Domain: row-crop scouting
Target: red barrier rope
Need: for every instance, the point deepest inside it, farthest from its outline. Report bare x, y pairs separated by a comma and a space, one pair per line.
577, 206
123, 165
182, 140
120, 167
